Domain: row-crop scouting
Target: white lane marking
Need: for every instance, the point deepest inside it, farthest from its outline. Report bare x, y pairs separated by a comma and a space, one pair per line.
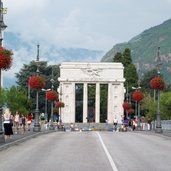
107, 153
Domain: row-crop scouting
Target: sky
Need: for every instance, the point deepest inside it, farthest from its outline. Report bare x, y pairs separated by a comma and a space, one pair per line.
90, 24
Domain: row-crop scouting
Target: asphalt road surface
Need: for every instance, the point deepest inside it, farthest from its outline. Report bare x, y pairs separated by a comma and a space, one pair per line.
89, 151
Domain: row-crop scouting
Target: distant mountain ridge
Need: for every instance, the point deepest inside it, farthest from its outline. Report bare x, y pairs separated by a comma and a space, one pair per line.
24, 52
144, 48
14, 42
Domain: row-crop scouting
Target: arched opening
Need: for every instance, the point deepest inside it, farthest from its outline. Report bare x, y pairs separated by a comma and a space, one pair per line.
78, 102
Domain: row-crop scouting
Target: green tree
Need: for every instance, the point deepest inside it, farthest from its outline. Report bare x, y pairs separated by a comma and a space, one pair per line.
150, 113
146, 78
17, 100
118, 57
2, 97
46, 72
165, 107
130, 73
127, 60
151, 110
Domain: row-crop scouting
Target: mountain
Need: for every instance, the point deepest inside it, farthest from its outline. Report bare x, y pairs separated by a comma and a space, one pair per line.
14, 41
25, 51
144, 49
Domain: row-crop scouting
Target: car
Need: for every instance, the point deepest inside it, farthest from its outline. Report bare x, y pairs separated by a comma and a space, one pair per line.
86, 129
67, 129
76, 129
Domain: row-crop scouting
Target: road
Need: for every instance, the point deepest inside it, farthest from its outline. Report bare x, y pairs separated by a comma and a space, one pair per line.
89, 151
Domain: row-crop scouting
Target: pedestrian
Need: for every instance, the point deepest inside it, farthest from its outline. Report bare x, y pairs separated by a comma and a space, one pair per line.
106, 124
42, 119
72, 127
134, 124
130, 124
7, 124
126, 124
16, 121
23, 121
115, 123
29, 120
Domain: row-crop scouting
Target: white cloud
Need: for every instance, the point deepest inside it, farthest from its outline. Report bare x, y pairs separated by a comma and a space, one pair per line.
90, 24
20, 57
83, 23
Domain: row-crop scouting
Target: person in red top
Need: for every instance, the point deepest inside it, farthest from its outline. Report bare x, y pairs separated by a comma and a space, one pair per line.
29, 120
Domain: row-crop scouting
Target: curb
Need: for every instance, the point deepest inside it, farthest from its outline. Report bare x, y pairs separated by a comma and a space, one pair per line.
20, 140
163, 134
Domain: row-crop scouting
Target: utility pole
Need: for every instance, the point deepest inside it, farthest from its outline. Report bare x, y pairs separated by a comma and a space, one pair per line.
37, 124
2, 28
158, 118
52, 102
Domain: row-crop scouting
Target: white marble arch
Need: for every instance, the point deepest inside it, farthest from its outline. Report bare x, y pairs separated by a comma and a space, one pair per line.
72, 73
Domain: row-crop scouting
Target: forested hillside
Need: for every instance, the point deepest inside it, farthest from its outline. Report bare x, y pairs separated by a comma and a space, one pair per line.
144, 49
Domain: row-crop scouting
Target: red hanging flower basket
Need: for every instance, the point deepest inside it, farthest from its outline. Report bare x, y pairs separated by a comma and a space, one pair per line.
130, 111
60, 104
137, 95
5, 58
52, 95
36, 82
157, 83
126, 105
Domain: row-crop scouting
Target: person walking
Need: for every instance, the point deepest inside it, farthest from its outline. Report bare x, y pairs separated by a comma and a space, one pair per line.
42, 120
29, 120
134, 124
16, 121
7, 124
115, 123
23, 121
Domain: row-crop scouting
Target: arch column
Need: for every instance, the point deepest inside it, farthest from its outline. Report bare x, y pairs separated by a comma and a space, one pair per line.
109, 105
85, 101
97, 106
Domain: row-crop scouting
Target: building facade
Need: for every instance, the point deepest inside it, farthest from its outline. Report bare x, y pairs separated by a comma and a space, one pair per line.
85, 74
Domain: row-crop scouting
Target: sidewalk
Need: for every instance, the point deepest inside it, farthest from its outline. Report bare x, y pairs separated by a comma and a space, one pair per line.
165, 133
20, 137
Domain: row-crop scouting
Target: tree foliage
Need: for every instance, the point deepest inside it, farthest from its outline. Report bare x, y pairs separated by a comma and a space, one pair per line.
130, 72
131, 76
17, 100
118, 57
165, 105
46, 72
145, 81
127, 60
151, 110
2, 97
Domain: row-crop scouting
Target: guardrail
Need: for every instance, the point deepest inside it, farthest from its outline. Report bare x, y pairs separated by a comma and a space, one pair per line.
166, 125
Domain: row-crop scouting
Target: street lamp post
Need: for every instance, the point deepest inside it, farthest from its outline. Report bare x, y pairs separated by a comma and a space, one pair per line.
158, 124
51, 123
60, 99
137, 108
127, 99
36, 123
2, 27
46, 90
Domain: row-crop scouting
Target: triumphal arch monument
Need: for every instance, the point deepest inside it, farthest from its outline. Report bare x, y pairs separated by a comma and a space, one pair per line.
85, 86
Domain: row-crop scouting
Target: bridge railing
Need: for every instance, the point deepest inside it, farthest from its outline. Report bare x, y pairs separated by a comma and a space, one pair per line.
166, 125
